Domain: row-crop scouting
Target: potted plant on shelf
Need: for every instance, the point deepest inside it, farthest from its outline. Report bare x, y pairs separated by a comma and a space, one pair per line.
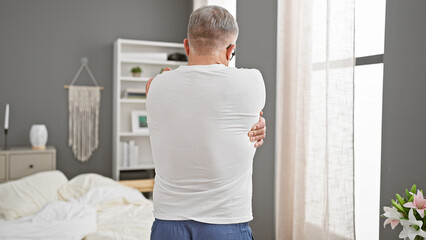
136, 71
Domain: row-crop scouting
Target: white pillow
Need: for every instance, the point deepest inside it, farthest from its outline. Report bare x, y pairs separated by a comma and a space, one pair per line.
81, 184
26, 196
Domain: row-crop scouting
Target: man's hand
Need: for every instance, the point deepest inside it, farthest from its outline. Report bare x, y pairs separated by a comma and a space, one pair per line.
148, 84
258, 132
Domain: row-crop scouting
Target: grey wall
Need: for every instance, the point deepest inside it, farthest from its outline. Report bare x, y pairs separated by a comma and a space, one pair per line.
256, 48
41, 43
404, 102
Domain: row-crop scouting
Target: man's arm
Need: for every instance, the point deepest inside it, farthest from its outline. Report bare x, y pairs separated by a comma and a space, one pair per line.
257, 132
148, 84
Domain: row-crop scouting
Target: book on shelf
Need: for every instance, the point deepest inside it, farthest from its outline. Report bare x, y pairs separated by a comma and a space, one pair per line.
124, 150
129, 154
135, 97
134, 93
133, 154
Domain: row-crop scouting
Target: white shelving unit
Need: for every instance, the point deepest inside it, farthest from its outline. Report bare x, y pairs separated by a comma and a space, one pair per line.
135, 79
125, 58
133, 100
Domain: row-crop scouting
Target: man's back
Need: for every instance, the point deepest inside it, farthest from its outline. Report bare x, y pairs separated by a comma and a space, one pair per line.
198, 117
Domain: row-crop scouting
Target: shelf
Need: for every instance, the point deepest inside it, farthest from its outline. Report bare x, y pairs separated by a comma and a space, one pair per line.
135, 79
149, 43
150, 56
135, 134
125, 100
153, 62
143, 166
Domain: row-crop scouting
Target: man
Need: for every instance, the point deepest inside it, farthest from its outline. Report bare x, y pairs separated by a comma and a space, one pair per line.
199, 116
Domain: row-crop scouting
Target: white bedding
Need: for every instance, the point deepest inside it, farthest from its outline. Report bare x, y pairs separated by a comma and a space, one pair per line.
57, 220
120, 218
107, 212
26, 196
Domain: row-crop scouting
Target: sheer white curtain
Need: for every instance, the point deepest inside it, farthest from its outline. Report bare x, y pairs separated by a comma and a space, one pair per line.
315, 85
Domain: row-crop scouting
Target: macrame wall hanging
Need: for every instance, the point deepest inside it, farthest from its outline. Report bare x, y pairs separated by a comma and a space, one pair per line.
83, 119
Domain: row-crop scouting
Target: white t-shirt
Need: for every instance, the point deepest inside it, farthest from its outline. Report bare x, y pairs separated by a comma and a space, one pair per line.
198, 118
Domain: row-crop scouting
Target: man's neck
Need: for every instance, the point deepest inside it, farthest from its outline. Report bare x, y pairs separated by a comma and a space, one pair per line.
205, 60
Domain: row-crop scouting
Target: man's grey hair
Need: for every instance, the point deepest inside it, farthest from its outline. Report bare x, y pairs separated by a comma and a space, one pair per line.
210, 29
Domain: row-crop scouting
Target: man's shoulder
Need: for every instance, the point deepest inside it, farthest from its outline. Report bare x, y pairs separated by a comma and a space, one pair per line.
244, 74
249, 74
245, 70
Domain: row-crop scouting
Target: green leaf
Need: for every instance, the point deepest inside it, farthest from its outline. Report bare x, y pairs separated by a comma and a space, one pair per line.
411, 198
407, 194
136, 70
400, 199
399, 207
413, 189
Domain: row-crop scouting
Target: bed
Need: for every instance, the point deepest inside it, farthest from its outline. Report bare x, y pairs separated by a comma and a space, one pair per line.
47, 205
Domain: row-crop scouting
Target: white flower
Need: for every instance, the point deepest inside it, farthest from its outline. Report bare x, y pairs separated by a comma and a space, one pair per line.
393, 216
412, 227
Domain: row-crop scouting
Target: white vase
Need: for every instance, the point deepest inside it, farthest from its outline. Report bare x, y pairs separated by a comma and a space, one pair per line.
38, 136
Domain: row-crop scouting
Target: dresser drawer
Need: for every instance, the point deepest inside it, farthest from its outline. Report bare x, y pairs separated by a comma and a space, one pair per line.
22, 165
2, 168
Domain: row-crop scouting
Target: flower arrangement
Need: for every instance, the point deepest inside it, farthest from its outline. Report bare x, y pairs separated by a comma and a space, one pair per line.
410, 212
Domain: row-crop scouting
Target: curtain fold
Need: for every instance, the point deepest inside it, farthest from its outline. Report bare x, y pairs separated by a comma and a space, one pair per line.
314, 151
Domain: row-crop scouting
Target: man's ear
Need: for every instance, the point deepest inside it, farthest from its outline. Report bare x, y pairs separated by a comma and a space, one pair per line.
186, 46
229, 51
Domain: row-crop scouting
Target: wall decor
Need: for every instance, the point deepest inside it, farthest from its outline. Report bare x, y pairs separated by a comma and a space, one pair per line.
83, 118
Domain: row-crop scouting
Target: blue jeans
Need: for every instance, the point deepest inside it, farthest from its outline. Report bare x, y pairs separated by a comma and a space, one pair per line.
192, 230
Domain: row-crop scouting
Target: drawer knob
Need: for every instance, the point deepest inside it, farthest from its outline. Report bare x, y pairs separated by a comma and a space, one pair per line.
31, 166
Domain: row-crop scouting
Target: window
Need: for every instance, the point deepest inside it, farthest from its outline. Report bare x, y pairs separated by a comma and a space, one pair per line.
369, 51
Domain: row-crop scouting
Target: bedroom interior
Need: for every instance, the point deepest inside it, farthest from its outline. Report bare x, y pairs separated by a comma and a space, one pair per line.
47, 40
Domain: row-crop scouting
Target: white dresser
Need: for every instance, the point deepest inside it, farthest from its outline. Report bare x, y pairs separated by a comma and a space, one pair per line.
19, 162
